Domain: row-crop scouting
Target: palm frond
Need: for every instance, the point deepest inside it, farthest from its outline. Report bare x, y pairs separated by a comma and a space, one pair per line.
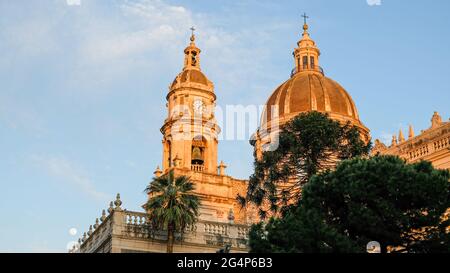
172, 202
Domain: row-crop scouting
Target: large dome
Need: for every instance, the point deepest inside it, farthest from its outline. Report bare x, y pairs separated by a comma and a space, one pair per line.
310, 91
307, 90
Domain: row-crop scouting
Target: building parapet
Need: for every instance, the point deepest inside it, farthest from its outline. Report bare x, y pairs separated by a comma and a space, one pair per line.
123, 225
430, 143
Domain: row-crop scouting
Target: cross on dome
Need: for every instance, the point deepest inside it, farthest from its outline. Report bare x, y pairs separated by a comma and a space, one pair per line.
193, 34
305, 17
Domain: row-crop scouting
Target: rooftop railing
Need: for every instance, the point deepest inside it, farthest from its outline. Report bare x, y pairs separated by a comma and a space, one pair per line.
302, 68
130, 225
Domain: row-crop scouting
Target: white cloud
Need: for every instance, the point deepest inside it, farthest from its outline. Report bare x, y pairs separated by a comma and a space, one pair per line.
162, 30
73, 2
66, 171
145, 25
374, 2
122, 45
98, 47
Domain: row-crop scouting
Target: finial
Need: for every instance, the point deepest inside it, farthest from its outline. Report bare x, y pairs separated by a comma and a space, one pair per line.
222, 168
157, 172
90, 230
305, 24
84, 237
411, 132
96, 223
111, 207
103, 218
118, 202
436, 120
394, 140
176, 161
401, 138
192, 35
305, 17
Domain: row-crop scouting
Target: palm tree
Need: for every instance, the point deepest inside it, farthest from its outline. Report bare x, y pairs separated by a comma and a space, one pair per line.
172, 206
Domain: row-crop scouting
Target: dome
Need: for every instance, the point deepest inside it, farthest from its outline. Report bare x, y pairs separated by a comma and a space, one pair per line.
310, 91
307, 90
190, 75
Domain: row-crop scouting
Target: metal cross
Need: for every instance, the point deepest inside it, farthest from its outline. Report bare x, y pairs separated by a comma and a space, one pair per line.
305, 17
193, 29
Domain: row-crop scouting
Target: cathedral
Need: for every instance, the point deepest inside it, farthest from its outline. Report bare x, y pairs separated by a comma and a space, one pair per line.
189, 147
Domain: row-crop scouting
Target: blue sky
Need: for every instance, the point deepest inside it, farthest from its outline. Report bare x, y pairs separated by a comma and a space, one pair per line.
82, 89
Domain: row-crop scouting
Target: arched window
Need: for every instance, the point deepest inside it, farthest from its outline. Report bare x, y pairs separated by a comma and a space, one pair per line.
194, 58
305, 62
312, 62
198, 151
169, 153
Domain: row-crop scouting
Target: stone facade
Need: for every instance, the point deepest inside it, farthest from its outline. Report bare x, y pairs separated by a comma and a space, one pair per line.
432, 144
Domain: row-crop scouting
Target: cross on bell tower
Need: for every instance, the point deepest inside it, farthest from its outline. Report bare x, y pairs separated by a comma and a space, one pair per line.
192, 54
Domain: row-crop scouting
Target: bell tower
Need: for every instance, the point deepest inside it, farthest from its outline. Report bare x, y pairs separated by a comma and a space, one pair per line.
190, 131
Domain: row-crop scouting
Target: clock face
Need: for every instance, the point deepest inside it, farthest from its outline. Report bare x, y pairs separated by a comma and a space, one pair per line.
199, 106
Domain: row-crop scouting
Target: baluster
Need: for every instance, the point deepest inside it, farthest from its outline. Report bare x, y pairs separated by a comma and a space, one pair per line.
103, 216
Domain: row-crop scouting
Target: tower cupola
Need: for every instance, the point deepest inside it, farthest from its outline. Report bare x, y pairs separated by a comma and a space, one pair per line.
192, 54
307, 53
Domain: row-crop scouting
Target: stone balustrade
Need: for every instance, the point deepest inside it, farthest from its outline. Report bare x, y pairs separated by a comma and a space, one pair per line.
216, 228
129, 226
442, 143
197, 168
427, 149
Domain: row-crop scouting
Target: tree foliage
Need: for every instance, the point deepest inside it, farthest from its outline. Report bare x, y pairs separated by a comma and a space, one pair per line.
378, 199
172, 206
309, 143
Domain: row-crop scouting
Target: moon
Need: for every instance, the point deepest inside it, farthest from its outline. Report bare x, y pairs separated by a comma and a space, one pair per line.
73, 231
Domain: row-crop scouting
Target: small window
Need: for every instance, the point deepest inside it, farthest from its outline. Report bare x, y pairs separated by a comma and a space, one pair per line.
305, 61
194, 58
312, 62
169, 151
